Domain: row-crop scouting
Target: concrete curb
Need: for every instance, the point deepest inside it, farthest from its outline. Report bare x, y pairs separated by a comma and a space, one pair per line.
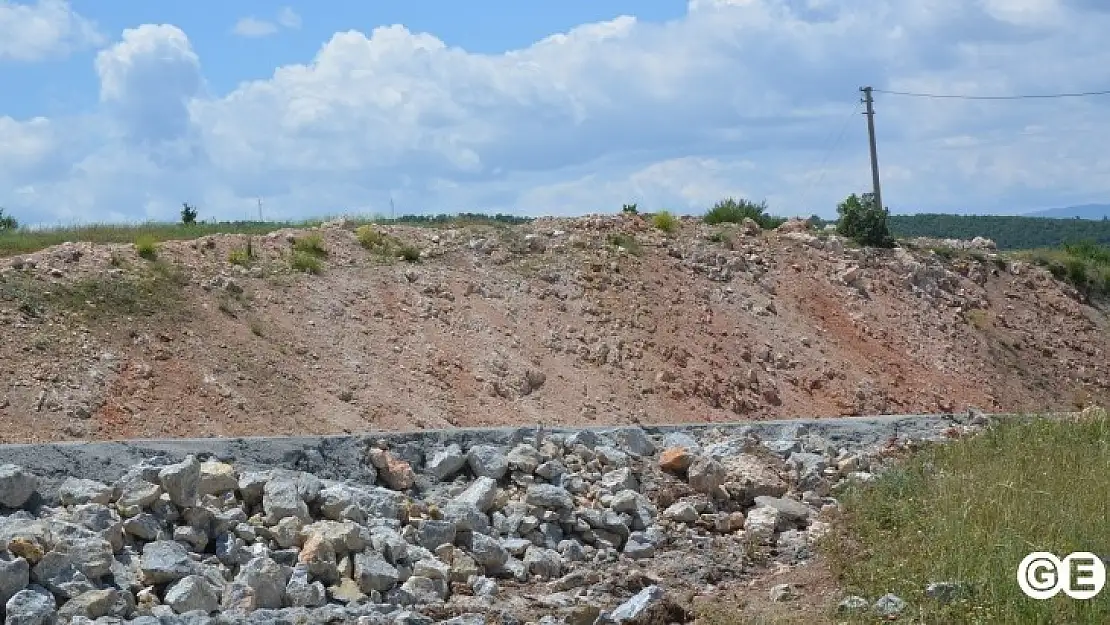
342, 457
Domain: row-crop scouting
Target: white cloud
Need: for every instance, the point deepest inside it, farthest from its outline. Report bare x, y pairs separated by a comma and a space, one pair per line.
288, 18
738, 97
147, 80
43, 30
254, 27
25, 145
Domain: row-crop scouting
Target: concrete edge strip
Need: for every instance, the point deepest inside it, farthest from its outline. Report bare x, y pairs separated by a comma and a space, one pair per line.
865, 422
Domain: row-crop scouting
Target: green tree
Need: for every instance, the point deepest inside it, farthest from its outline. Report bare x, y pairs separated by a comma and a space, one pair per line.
188, 214
862, 220
7, 222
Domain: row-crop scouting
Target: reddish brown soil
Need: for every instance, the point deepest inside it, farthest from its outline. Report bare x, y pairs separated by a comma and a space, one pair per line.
373, 344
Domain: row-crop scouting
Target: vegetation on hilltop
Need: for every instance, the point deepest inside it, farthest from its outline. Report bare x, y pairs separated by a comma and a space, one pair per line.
731, 210
7, 222
16, 240
1085, 265
1008, 232
864, 221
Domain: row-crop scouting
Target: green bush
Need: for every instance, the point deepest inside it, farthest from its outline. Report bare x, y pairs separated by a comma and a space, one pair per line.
409, 253
630, 209
311, 245
7, 222
147, 247
863, 221
731, 210
369, 237
306, 262
665, 221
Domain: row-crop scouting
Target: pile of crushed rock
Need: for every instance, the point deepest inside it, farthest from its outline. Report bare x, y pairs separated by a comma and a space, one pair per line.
562, 527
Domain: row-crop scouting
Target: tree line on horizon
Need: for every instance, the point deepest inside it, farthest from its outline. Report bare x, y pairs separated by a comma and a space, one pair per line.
1009, 232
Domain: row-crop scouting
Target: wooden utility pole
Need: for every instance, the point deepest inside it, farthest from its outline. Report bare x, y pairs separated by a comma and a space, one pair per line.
870, 113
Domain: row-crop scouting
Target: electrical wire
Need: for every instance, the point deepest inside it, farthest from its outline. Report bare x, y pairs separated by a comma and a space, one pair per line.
993, 97
828, 152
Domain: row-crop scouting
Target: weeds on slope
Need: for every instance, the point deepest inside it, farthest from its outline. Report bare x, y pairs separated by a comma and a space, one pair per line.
1084, 265
152, 290
26, 240
384, 245
969, 511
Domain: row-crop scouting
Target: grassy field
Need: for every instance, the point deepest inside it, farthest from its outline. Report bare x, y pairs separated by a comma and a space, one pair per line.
1085, 265
969, 511
24, 241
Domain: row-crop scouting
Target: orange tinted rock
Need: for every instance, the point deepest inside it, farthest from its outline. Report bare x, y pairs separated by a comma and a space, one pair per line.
396, 473
675, 459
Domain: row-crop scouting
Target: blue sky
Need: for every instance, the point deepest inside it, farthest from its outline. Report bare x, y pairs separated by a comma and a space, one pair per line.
121, 111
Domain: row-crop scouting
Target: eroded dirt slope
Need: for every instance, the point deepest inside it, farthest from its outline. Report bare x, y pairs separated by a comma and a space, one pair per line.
599, 319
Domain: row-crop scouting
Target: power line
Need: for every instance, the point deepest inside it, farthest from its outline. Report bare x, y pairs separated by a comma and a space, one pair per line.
994, 97
828, 152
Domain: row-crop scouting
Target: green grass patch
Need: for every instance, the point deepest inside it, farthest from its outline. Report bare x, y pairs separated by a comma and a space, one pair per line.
384, 245
1084, 265
155, 289
409, 253
370, 237
239, 257
26, 240
306, 262
146, 247
665, 221
311, 245
970, 510
629, 243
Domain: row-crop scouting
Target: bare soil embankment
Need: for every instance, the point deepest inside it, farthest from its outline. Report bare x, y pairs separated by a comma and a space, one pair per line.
586, 321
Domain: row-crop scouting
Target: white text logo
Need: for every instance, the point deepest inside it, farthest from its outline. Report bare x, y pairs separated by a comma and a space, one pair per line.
1080, 575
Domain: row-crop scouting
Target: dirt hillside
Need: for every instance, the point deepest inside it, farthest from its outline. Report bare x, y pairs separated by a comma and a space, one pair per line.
600, 319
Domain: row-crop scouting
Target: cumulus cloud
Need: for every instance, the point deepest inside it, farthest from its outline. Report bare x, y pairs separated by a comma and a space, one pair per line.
146, 82
254, 27
45, 29
752, 98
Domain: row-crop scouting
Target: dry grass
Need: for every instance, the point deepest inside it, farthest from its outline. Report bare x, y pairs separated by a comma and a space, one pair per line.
25, 240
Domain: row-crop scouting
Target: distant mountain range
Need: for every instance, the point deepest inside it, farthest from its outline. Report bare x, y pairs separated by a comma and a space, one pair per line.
1084, 211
